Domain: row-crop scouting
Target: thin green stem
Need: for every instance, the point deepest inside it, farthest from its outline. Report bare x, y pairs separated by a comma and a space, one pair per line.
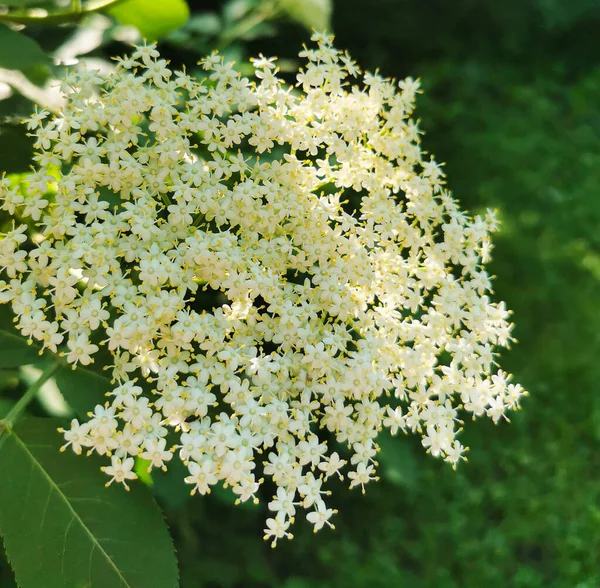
77, 11
198, 220
29, 395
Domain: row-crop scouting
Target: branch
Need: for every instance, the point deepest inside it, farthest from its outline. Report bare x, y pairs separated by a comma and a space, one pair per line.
31, 392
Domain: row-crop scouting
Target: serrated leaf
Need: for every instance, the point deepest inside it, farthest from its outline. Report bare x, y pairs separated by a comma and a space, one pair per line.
63, 529
82, 389
313, 14
154, 20
18, 51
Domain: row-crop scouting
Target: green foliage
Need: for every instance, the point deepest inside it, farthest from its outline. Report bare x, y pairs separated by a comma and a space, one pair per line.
82, 388
510, 104
18, 51
5, 407
62, 528
17, 159
153, 19
14, 351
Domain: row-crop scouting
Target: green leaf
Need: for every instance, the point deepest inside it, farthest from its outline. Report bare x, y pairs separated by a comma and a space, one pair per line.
15, 351
5, 406
313, 14
18, 51
17, 147
83, 389
63, 529
169, 486
141, 470
154, 20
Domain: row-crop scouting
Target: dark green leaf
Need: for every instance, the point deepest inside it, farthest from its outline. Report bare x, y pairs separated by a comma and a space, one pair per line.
15, 351
17, 148
169, 486
18, 51
63, 529
107, 195
5, 406
83, 389
154, 20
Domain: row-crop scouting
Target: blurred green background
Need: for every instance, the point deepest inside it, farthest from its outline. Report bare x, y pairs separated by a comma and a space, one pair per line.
510, 103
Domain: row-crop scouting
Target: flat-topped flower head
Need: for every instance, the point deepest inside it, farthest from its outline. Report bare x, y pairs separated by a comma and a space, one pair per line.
348, 291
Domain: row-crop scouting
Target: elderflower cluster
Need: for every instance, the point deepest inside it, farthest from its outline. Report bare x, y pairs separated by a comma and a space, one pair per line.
277, 274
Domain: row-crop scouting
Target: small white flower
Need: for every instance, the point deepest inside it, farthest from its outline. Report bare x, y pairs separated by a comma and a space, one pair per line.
325, 315
81, 350
120, 471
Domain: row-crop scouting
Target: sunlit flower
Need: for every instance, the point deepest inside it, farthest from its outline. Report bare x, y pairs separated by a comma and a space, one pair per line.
352, 293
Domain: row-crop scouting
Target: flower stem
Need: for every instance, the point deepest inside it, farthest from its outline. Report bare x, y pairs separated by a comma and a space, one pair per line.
31, 392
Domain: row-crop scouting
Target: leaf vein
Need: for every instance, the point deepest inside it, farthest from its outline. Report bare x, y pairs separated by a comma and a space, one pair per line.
46, 508
64, 548
74, 514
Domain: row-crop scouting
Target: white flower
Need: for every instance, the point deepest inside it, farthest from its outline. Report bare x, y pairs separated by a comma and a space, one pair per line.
76, 436
277, 528
81, 350
362, 475
120, 471
156, 454
329, 313
321, 516
202, 476
283, 502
